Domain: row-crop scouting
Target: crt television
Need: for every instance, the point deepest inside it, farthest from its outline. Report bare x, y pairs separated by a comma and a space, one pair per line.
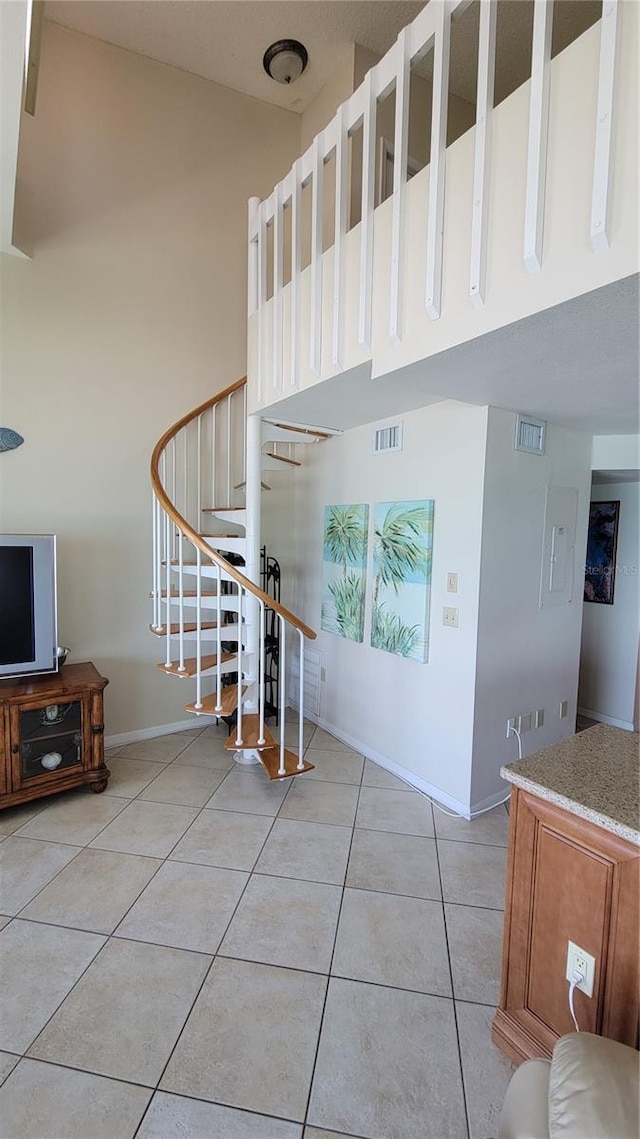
28, 610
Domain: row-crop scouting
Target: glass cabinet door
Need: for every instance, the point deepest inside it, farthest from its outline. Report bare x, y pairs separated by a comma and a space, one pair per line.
50, 738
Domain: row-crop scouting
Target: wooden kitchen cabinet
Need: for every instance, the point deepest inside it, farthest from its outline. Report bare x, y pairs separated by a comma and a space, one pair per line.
52, 734
567, 879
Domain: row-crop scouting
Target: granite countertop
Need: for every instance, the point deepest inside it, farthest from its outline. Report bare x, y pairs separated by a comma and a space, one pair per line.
594, 774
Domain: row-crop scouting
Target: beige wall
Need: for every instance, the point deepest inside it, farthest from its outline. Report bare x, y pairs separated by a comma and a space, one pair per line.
133, 184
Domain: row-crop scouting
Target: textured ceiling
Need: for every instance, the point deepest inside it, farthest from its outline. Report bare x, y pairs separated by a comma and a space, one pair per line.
224, 40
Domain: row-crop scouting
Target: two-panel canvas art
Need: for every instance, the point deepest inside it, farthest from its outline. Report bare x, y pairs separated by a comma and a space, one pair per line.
401, 537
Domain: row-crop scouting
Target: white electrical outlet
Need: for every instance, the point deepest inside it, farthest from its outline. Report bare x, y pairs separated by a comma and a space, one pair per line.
511, 723
563, 709
450, 617
578, 960
539, 718
525, 722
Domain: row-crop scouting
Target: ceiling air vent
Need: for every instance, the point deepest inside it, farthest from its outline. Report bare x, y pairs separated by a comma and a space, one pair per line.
387, 438
530, 435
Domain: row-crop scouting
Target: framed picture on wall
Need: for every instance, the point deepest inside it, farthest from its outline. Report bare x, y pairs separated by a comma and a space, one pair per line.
602, 541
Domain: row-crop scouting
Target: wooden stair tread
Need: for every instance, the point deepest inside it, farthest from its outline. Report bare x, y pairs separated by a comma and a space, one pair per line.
228, 702
191, 665
300, 430
270, 759
241, 485
281, 459
250, 735
226, 509
188, 627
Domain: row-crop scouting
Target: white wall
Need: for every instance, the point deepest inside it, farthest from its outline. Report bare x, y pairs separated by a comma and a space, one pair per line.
134, 180
609, 656
418, 716
527, 655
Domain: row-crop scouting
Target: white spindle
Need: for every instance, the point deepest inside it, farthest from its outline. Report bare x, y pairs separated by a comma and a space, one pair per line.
538, 134
168, 556
438, 158
239, 739
174, 481
262, 300
185, 472
278, 264
228, 455
342, 201
315, 339
296, 269
213, 454
218, 639
282, 681
301, 701
198, 627
482, 160
252, 267
154, 576
366, 224
181, 666
601, 196
243, 435
199, 472
261, 653
400, 162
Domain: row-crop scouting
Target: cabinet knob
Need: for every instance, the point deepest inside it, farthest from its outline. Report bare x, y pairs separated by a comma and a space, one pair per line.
15, 749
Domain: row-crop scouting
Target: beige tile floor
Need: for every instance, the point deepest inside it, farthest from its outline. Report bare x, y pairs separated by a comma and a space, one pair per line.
198, 953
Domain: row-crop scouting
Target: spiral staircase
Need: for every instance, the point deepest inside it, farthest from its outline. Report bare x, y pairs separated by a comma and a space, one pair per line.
207, 475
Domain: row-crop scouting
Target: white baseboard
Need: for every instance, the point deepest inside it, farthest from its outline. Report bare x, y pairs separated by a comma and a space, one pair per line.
602, 719
418, 784
158, 730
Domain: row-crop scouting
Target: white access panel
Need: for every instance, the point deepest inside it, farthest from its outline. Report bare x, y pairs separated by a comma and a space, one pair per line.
559, 546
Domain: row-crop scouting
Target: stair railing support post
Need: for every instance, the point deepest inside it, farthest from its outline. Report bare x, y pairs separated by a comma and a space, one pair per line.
252, 555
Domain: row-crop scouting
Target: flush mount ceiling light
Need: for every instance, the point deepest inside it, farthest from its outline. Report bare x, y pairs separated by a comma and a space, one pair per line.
285, 60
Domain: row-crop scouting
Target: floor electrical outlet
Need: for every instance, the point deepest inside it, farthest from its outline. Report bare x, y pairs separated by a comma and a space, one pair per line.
578, 960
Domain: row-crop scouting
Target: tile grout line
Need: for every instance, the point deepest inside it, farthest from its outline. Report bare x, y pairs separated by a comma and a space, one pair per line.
335, 939
453, 992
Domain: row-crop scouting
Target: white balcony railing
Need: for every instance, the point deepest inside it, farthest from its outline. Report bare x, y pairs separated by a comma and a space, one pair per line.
358, 298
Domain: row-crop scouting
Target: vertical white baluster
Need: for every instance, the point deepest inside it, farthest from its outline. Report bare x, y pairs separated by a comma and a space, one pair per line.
278, 268
252, 266
296, 270
181, 667
198, 628
262, 670
154, 576
366, 224
239, 739
168, 555
342, 192
282, 681
482, 160
400, 161
199, 473
213, 454
228, 456
301, 700
262, 301
538, 134
218, 639
601, 197
438, 159
185, 472
315, 338
243, 469
174, 481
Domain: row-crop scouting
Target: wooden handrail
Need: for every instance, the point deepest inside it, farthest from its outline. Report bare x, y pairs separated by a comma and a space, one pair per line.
192, 535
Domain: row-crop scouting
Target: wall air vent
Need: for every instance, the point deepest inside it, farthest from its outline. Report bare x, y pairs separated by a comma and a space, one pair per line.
530, 435
387, 438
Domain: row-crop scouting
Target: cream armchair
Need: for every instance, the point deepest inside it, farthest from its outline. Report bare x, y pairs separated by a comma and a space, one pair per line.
590, 1089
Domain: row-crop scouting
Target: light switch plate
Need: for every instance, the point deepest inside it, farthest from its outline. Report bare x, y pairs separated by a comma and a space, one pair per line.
452, 583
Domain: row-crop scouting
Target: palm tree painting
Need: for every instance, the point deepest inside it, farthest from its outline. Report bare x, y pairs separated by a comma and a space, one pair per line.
344, 563
402, 549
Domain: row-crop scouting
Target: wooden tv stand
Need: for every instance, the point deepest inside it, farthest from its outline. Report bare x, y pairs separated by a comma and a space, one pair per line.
52, 734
